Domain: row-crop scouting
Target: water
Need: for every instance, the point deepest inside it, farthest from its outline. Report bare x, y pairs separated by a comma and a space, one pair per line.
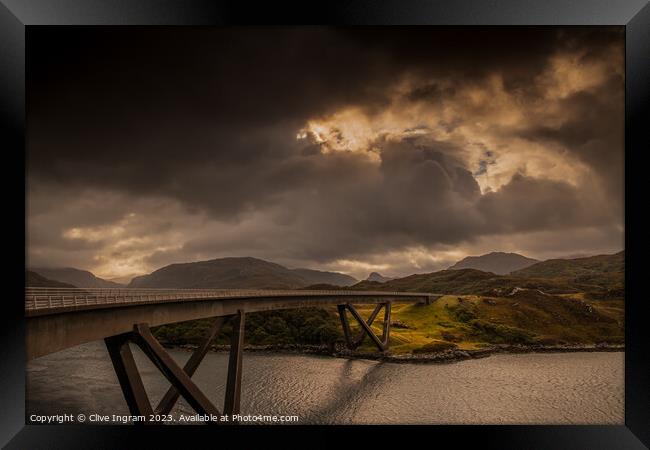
561, 388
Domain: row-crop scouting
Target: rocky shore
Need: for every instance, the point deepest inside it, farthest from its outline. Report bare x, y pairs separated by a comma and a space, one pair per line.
447, 356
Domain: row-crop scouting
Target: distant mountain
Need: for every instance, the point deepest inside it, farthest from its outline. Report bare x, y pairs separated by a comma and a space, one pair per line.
496, 262
236, 273
76, 277
320, 277
32, 279
379, 278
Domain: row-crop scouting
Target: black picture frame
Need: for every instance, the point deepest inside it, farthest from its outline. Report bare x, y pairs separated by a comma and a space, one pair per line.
17, 15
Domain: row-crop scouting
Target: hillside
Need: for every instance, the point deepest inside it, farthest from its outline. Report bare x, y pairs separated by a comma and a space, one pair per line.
465, 281
320, 277
444, 281
32, 279
223, 273
598, 277
496, 262
525, 317
76, 277
602, 274
575, 268
237, 273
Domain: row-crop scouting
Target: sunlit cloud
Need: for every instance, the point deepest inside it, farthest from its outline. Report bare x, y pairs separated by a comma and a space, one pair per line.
487, 116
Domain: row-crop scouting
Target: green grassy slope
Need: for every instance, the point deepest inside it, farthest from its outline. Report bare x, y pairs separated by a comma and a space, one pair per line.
527, 317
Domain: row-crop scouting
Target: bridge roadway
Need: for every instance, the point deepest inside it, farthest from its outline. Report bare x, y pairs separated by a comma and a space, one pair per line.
58, 318
62, 318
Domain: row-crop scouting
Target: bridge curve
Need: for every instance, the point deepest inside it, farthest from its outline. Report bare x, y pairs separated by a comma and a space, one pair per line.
58, 318
62, 318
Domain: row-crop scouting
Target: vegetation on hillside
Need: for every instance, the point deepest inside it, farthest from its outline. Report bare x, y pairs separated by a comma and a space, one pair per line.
576, 268
472, 321
310, 326
599, 276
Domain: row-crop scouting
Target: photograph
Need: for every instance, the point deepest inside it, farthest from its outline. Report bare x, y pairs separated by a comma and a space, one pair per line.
325, 225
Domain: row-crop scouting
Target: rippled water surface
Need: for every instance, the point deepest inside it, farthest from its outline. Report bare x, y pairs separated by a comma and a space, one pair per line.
576, 388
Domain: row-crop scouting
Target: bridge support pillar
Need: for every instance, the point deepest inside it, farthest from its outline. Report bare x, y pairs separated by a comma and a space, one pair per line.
128, 375
346, 326
172, 371
180, 378
233, 383
385, 335
366, 330
171, 396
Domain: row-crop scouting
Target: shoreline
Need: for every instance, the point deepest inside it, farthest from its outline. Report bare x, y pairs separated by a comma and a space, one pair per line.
444, 357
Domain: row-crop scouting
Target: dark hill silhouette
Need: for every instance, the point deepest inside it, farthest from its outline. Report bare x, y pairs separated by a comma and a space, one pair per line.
496, 262
76, 277
32, 279
236, 273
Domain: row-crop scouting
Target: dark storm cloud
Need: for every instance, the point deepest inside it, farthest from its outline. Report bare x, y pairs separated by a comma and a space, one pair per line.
206, 120
528, 204
594, 131
172, 97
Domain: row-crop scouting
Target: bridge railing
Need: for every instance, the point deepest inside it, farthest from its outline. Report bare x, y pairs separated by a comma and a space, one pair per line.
45, 298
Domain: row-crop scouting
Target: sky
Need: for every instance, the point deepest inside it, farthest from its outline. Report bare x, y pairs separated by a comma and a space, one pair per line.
390, 149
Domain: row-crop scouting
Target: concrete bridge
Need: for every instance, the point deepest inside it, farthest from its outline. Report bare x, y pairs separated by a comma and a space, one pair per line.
58, 318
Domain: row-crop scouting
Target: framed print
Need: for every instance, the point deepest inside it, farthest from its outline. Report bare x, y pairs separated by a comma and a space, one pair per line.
250, 220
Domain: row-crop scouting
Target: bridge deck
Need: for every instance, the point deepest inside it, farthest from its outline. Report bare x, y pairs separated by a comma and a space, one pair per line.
58, 318
41, 301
